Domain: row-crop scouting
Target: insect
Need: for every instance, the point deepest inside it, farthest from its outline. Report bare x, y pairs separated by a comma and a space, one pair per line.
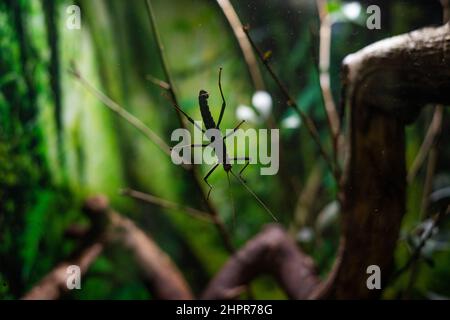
219, 147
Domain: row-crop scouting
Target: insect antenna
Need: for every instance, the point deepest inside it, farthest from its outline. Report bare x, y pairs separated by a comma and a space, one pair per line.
232, 200
254, 195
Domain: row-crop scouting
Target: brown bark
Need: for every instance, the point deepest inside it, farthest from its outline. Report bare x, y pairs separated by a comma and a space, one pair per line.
273, 252
386, 84
159, 272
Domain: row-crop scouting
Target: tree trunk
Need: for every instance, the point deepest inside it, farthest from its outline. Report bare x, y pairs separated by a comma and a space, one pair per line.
386, 84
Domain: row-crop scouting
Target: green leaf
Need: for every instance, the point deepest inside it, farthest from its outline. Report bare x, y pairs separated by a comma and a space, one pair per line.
333, 6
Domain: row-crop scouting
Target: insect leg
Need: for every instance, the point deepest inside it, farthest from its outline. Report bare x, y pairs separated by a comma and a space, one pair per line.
185, 114
222, 110
234, 130
207, 176
254, 195
232, 200
248, 159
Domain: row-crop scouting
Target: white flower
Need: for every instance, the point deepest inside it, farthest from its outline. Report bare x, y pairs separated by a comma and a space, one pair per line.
246, 113
306, 234
262, 101
291, 122
351, 10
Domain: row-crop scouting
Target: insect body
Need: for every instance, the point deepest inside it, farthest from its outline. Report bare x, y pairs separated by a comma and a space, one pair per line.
204, 109
213, 132
219, 147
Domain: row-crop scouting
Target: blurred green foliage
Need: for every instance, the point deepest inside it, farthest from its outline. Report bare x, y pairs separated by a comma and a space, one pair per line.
59, 144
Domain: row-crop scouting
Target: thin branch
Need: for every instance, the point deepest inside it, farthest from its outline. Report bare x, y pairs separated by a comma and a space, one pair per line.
198, 214
430, 139
325, 37
162, 58
226, 238
122, 112
338, 140
160, 83
306, 199
437, 219
309, 123
429, 148
255, 74
325, 79
428, 184
244, 44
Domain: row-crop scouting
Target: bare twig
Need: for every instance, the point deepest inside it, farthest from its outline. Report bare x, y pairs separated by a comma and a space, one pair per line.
273, 252
198, 214
430, 139
428, 147
122, 112
160, 83
428, 184
437, 219
324, 67
162, 58
306, 199
326, 24
309, 123
244, 44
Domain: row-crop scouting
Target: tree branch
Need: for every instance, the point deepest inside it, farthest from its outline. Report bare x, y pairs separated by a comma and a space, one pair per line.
244, 44
273, 252
108, 227
163, 203
53, 285
386, 85
428, 142
401, 74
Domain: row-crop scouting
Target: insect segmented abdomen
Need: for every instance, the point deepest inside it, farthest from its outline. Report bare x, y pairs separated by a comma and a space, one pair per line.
204, 110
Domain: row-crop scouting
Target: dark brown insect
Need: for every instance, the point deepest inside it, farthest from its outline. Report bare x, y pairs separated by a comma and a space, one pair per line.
219, 149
